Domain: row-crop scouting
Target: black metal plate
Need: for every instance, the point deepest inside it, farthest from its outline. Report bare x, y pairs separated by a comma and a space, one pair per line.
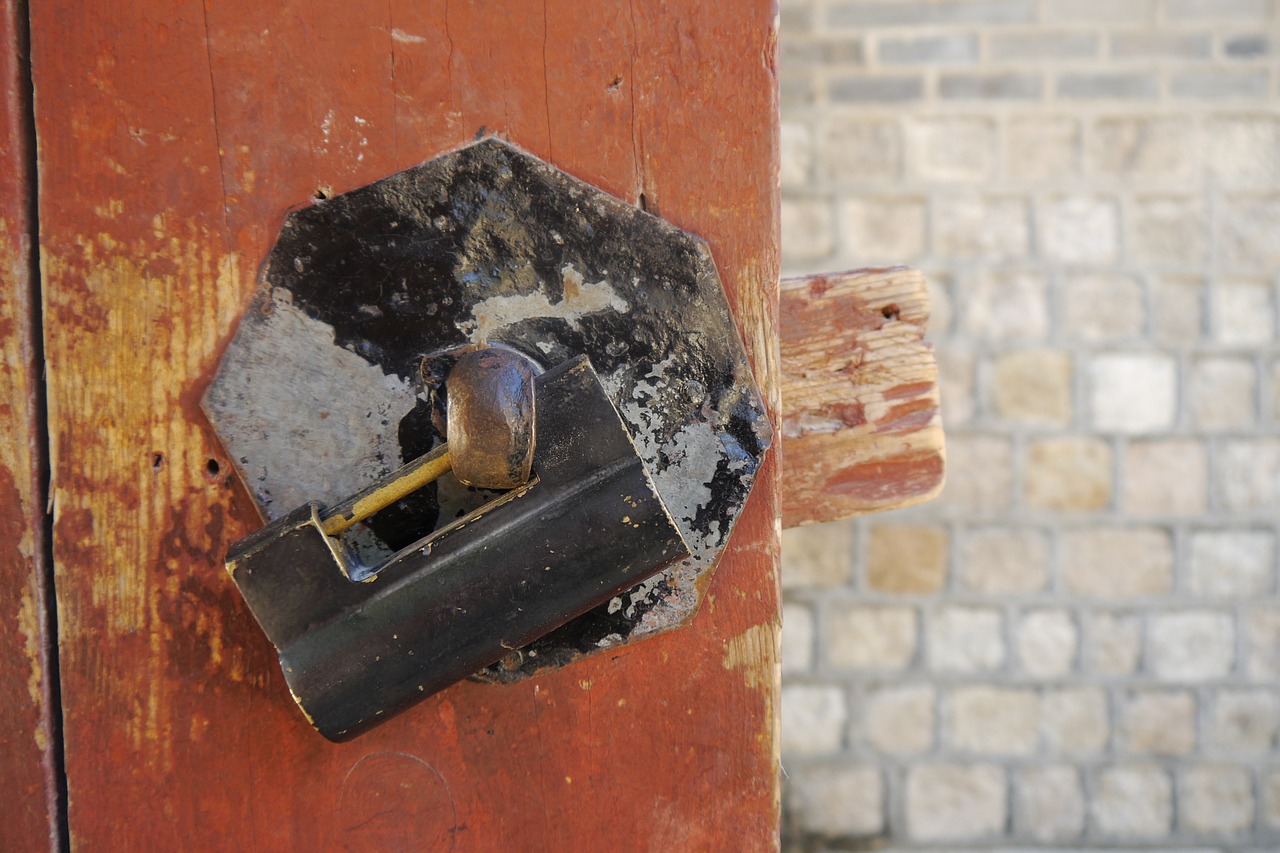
332, 378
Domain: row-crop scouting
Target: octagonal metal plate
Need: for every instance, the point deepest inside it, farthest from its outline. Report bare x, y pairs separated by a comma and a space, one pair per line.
335, 375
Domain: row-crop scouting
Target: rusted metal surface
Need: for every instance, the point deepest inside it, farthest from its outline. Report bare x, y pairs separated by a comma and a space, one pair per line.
172, 143
588, 526
490, 245
861, 427
491, 420
28, 787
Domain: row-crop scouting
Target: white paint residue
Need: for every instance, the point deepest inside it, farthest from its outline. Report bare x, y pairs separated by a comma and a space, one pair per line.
332, 425
581, 298
406, 38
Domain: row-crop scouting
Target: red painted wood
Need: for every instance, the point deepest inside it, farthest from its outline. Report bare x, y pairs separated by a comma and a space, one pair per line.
173, 138
28, 791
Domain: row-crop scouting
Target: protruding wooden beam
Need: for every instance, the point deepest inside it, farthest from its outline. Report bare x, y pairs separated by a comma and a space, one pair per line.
861, 427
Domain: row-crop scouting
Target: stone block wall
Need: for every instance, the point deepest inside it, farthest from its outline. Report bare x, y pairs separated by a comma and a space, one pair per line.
1078, 645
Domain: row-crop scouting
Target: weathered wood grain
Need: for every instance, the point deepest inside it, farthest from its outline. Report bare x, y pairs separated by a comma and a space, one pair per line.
28, 789
173, 138
861, 429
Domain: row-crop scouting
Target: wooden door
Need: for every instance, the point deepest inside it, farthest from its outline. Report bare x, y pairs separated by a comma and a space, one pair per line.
173, 135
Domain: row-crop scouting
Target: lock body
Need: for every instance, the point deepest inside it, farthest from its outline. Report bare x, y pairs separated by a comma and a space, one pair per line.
589, 525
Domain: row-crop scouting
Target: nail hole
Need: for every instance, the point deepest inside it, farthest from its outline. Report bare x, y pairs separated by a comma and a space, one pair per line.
644, 202
617, 82
890, 311
157, 461
212, 469
323, 193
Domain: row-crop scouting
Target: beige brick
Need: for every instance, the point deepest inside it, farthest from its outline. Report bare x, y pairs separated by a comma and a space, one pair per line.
1103, 307
1080, 229
1163, 150
796, 154
1165, 477
1242, 312
956, 801
1005, 305
1115, 643
938, 284
882, 230
907, 558
955, 385
1132, 802
797, 638
954, 149
1215, 799
1222, 392
994, 720
1270, 784
1244, 151
1069, 474
871, 638
1246, 232
979, 474
1042, 148
1033, 386
1002, 561
900, 720
1177, 311
1133, 392
813, 719
966, 639
862, 149
1169, 231
1262, 627
1050, 803
976, 226
1193, 645
837, 799
1117, 563
807, 229
1232, 564
1046, 642
817, 556
1247, 475
1275, 393
1244, 721
1158, 722
1075, 721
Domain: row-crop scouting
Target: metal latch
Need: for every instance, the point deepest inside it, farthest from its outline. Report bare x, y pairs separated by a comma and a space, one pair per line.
352, 362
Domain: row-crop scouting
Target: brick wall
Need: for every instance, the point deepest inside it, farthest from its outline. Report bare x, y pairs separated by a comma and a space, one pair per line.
1078, 645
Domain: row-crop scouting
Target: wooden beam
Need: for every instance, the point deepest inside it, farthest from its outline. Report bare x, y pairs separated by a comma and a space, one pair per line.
28, 780
861, 429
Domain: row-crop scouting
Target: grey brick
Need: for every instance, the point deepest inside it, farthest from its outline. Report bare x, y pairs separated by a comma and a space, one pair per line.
895, 12
1213, 10
1250, 46
1040, 44
796, 91
1154, 45
930, 49
1101, 11
795, 18
1108, 85
1220, 84
862, 88
990, 86
815, 53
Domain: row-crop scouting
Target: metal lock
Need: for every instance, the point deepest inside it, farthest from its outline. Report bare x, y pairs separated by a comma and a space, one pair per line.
357, 361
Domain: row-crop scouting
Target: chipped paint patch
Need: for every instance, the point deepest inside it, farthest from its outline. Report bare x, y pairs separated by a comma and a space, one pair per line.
355, 402
581, 298
755, 653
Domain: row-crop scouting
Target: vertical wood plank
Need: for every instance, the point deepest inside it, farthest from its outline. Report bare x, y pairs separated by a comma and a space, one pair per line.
174, 135
28, 786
